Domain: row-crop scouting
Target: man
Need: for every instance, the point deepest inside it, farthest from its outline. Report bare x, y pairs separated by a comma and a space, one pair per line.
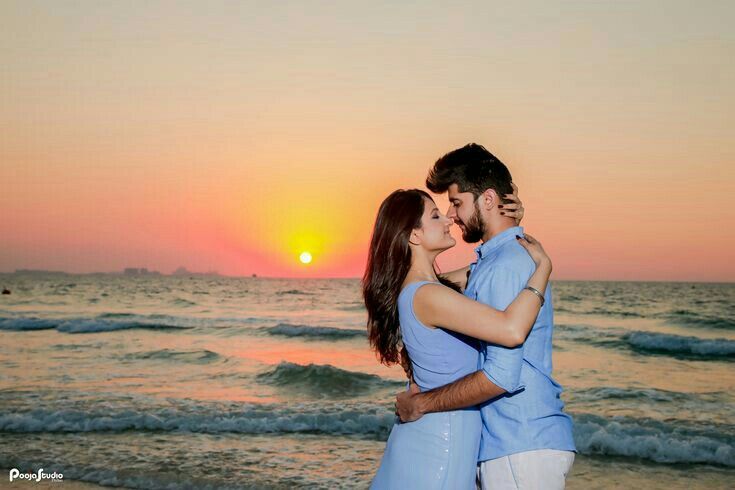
526, 437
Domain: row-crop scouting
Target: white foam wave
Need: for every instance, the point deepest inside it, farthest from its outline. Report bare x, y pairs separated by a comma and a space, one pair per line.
648, 439
87, 325
653, 440
254, 419
681, 344
21, 324
97, 325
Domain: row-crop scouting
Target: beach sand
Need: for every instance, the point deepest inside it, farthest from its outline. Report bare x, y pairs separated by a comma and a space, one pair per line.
60, 485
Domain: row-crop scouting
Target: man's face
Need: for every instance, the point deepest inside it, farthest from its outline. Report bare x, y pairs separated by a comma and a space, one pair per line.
464, 210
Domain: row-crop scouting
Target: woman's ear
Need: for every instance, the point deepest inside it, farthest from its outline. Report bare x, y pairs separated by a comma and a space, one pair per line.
414, 238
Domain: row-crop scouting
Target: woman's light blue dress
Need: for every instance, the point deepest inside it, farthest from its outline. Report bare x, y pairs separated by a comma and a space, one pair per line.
438, 451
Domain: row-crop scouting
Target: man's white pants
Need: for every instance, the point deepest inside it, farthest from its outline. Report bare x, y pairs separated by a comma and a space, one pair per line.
545, 469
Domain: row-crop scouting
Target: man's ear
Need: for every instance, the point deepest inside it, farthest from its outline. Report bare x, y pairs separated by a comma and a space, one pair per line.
489, 199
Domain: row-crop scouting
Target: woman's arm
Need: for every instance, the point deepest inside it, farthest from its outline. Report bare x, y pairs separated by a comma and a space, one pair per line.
438, 305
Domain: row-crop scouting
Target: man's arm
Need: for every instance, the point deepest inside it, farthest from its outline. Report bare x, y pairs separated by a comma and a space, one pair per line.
458, 276
499, 374
471, 390
503, 365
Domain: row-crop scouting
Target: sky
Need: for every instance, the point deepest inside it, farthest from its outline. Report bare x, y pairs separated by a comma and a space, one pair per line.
233, 136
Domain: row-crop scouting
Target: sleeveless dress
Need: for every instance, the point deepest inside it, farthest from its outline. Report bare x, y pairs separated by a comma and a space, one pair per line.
439, 450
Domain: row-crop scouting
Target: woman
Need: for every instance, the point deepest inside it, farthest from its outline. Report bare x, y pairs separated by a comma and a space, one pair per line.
409, 304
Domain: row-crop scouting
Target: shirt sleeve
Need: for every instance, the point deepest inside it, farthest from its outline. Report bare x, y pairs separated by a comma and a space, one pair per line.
502, 365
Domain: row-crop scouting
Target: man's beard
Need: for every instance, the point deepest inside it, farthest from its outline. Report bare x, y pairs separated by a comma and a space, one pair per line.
474, 229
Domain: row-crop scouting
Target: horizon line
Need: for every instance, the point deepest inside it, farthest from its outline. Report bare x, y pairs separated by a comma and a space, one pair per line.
258, 276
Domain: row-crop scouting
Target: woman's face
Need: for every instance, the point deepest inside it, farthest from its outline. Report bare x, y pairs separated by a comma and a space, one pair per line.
434, 230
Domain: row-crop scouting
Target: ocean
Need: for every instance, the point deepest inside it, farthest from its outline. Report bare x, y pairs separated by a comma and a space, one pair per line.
171, 382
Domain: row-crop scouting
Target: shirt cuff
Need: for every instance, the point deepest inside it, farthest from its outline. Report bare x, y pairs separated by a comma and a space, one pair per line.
508, 385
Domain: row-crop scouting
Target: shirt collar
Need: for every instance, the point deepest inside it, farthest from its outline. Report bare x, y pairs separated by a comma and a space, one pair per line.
489, 246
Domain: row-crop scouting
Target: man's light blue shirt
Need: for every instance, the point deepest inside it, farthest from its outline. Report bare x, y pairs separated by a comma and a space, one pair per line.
530, 415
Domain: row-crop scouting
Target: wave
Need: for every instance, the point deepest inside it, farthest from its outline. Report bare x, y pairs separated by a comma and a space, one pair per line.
116, 315
644, 394
639, 438
617, 313
653, 440
294, 292
289, 330
588, 335
93, 326
365, 420
712, 407
651, 343
21, 324
102, 323
97, 345
323, 380
201, 356
569, 297
352, 307
688, 347
691, 319
182, 302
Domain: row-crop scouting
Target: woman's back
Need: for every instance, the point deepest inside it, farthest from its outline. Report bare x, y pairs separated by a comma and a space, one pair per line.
438, 356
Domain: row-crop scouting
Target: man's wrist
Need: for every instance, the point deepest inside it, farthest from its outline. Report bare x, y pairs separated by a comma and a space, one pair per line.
420, 404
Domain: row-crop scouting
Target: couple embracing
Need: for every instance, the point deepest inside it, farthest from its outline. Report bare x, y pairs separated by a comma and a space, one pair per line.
482, 408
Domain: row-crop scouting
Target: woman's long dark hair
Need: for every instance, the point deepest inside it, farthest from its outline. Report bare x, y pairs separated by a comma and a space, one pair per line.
388, 263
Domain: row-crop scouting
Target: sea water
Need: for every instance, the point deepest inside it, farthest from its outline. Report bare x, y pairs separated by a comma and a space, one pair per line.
214, 382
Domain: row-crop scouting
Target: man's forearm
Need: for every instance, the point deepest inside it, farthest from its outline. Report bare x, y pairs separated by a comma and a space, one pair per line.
471, 390
458, 276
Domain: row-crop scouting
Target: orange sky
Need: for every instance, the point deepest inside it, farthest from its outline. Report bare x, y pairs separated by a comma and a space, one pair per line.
231, 137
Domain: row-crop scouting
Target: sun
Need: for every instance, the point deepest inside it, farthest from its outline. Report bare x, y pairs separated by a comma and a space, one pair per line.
305, 257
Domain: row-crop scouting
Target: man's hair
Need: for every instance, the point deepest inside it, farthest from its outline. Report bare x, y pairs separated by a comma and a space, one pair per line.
473, 169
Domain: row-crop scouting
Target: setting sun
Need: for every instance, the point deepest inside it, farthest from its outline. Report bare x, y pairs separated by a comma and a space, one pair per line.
305, 257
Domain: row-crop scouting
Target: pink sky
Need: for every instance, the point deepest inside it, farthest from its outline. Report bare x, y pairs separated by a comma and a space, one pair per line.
232, 138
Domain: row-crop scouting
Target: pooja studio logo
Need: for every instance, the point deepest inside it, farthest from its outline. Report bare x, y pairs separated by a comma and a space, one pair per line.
37, 477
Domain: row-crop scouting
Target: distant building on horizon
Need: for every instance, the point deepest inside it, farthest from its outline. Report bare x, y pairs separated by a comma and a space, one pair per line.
143, 271
127, 271
183, 271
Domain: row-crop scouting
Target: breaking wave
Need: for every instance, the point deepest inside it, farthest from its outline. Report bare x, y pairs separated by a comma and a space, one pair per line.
289, 330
